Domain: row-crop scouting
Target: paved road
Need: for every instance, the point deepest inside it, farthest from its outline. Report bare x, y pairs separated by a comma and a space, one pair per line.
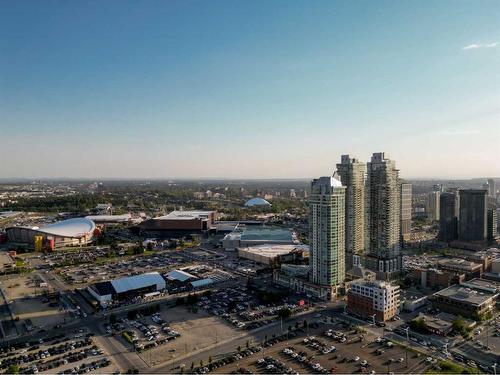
123, 357
256, 336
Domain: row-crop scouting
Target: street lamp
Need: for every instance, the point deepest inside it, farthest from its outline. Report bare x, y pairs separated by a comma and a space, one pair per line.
407, 335
494, 365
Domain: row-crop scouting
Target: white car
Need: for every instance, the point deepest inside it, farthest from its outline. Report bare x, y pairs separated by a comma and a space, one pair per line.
364, 362
356, 359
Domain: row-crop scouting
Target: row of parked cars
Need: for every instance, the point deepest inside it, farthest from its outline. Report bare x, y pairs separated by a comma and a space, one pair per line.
272, 365
34, 354
228, 360
87, 367
319, 345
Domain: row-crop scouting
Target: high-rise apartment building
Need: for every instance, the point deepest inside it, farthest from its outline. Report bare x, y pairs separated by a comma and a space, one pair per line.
327, 231
405, 208
383, 217
473, 215
352, 175
492, 225
492, 190
432, 207
448, 216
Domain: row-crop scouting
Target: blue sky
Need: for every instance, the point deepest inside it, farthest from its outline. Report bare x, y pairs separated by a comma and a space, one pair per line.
248, 88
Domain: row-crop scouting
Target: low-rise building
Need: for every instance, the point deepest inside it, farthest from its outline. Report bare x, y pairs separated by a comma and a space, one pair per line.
178, 223
251, 236
273, 254
465, 301
126, 287
432, 278
373, 298
413, 301
470, 269
295, 277
436, 325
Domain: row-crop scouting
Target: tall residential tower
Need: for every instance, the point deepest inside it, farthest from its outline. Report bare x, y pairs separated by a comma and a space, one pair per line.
352, 176
405, 204
383, 217
327, 232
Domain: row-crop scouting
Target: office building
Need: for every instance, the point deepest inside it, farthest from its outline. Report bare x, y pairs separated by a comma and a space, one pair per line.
448, 217
473, 215
432, 207
405, 208
327, 231
352, 175
383, 217
378, 299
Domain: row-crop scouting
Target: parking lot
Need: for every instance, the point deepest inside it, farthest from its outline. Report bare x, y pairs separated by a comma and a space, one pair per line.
72, 353
172, 332
243, 308
33, 302
85, 274
329, 350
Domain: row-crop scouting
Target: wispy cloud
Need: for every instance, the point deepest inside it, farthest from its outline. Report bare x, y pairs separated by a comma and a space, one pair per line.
459, 132
477, 46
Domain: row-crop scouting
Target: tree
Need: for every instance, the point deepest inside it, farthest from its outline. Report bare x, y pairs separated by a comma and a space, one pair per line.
304, 324
192, 366
112, 319
247, 344
284, 313
210, 359
239, 349
419, 325
12, 369
297, 325
201, 362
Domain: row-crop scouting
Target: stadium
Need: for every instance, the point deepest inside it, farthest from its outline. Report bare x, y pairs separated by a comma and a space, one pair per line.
71, 232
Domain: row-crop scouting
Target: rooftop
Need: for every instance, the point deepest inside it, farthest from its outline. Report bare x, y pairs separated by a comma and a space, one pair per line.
110, 218
76, 228
257, 202
179, 275
186, 215
482, 284
136, 282
461, 293
459, 263
271, 234
272, 251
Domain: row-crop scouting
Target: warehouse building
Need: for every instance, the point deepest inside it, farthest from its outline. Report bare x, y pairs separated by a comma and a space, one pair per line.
127, 287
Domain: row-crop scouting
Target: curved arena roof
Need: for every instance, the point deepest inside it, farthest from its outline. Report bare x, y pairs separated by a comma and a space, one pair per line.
257, 202
77, 227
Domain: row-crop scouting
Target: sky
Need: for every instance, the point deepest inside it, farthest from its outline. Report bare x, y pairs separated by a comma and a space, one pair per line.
248, 89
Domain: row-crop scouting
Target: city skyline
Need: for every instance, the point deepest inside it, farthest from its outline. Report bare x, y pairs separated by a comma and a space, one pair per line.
217, 90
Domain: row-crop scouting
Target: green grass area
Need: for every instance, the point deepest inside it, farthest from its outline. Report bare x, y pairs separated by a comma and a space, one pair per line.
447, 367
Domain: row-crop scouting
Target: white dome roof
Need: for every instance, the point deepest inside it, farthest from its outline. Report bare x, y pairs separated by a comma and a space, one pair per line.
76, 227
257, 202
